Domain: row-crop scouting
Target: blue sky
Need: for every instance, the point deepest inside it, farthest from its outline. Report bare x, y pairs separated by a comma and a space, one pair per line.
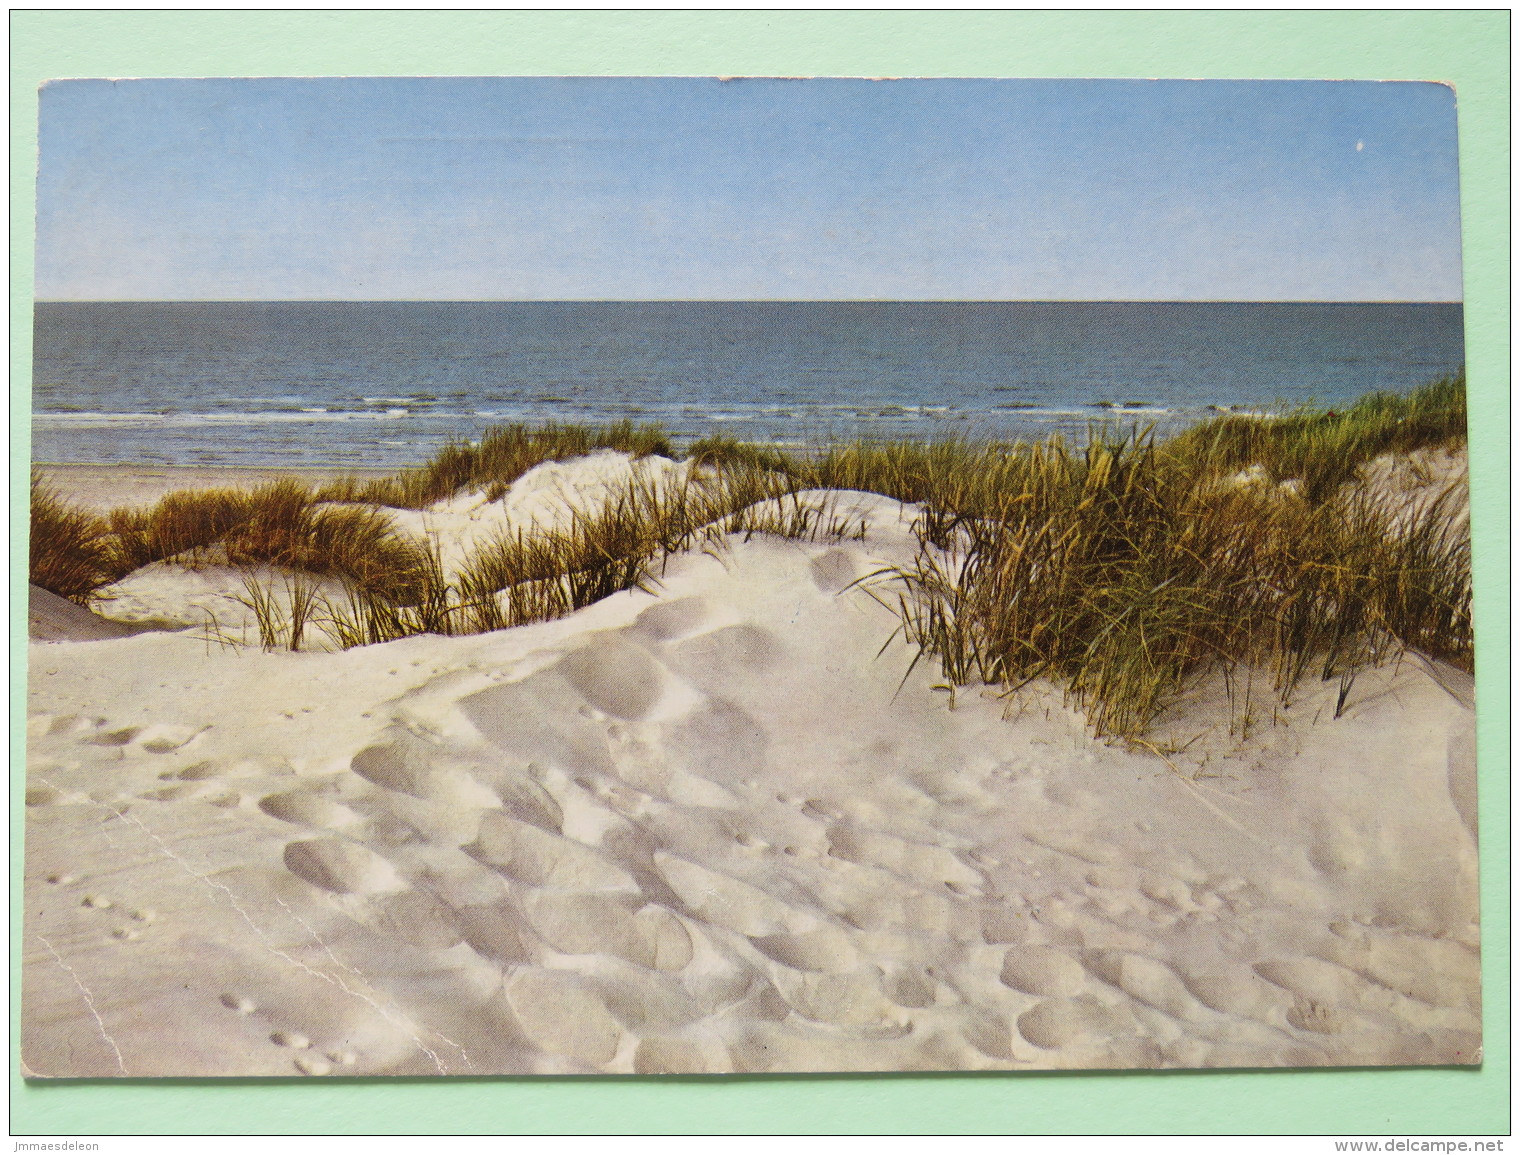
662, 188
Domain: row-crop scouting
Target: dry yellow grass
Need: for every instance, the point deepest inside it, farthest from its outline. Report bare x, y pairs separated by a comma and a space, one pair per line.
1123, 568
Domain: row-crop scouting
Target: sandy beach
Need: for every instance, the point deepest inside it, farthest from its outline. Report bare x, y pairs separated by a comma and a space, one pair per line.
721, 824
107, 487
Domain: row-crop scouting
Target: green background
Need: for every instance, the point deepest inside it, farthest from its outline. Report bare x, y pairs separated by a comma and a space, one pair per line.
1468, 49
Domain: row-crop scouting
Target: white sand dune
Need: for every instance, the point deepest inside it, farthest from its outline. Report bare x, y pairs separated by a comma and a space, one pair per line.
713, 829
547, 497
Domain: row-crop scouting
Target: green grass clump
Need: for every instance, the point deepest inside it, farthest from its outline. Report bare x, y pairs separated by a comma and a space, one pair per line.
282, 627
547, 573
721, 451
69, 553
1123, 569
280, 524
1324, 449
499, 458
188, 522
375, 613
538, 576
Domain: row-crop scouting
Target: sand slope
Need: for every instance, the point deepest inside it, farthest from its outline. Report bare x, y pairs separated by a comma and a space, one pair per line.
51, 618
712, 829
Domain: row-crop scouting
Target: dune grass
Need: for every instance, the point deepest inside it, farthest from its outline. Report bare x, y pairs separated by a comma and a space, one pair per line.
1122, 569
1122, 576
282, 626
280, 524
499, 458
1323, 449
1125, 568
537, 576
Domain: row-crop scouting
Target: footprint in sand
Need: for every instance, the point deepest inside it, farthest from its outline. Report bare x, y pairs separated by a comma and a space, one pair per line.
305, 1061
1241, 994
669, 621
723, 900
586, 923
910, 986
1004, 924
561, 1014
1169, 892
820, 811
403, 764
342, 867
233, 1002
615, 676
1337, 848
302, 808
728, 653
123, 932
609, 923
525, 800
720, 741
416, 918
1037, 970
666, 1056
667, 943
825, 949
46, 725
1440, 973
495, 933
172, 793
916, 861
1314, 979
414, 766
121, 737
1058, 1023
987, 1031
1317, 1018
1146, 980
165, 739
538, 858
652, 1005
854, 1000
196, 773
833, 571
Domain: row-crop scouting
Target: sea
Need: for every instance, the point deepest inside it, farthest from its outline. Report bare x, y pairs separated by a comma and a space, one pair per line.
385, 384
